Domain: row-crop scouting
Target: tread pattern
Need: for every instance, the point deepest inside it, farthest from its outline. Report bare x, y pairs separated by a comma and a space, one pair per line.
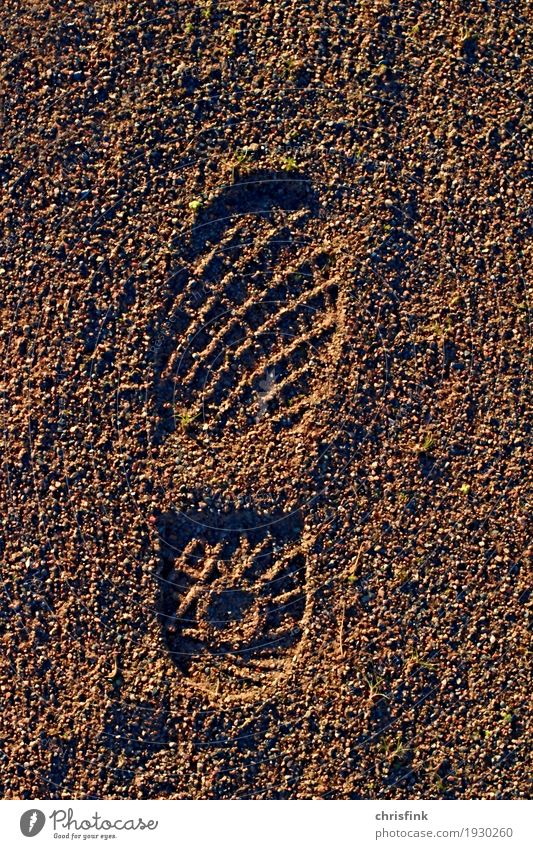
252, 348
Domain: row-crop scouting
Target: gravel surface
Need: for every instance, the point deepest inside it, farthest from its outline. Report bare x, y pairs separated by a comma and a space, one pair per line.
265, 323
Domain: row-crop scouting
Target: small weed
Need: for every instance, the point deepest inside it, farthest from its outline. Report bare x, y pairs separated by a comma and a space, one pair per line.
289, 68
403, 575
465, 488
374, 682
468, 38
436, 329
439, 784
393, 748
416, 660
401, 750
241, 162
243, 156
428, 443
195, 204
189, 28
186, 419
507, 718
289, 164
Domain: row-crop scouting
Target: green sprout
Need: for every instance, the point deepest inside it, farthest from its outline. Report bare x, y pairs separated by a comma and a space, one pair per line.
428, 443
374, 683
186, 419
241, 161
435, 328
243, 155
401, 749
195, 204
416, 660
393, 749
289, 164
439, 784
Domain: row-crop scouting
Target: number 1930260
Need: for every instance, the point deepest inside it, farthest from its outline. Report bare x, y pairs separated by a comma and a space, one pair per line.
487, 831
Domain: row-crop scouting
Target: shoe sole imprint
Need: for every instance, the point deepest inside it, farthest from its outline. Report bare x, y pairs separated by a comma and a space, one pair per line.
234, 586
234, 603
